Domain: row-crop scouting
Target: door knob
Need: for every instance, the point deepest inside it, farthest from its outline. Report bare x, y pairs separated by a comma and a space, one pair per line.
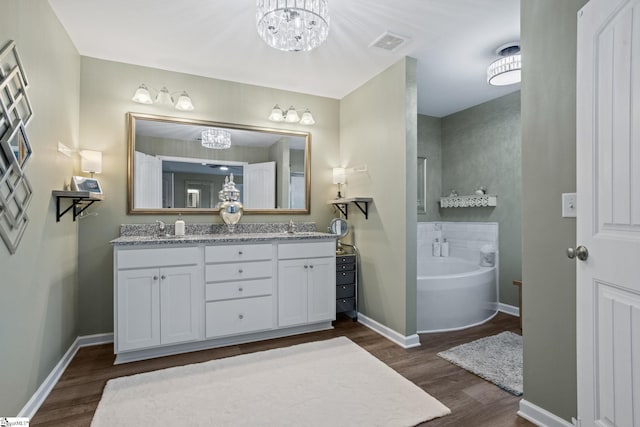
581, 252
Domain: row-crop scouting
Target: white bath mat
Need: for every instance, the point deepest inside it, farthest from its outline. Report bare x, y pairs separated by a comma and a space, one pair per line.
333, 382
497, 359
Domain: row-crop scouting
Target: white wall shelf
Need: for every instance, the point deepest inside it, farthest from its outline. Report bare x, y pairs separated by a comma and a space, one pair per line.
361, 203
80, 201
471, 201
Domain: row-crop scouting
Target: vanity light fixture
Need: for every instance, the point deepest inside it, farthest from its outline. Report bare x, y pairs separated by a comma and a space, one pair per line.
216, 138
291, 116
506, 70
293, 25
163, 97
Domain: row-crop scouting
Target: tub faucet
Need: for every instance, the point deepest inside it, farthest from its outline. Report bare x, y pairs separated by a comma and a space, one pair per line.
161, 227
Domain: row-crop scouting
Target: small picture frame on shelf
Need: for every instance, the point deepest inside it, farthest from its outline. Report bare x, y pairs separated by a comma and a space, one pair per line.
81, 183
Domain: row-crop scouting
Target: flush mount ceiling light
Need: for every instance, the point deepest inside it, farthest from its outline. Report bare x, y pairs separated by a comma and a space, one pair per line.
163, 97
291, 116
293, 25
216, 138
506, 70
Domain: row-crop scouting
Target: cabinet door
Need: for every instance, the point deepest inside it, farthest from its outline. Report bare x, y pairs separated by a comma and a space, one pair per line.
138, 305
292, 292
321, 289
180, 304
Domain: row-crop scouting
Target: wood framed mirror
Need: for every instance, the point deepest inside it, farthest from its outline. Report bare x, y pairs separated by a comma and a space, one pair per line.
167, 162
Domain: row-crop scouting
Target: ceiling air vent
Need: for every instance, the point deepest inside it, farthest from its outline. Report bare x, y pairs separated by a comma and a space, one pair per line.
389, 41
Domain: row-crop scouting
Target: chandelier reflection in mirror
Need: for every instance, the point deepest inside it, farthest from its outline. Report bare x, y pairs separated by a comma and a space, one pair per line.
293, 25
216, 138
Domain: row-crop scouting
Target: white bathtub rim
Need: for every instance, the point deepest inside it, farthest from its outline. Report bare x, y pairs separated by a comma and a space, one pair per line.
477, 271
460, 328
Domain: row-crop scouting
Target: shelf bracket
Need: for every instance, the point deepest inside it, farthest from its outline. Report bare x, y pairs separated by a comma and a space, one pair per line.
343, 208
80, 201
364, 210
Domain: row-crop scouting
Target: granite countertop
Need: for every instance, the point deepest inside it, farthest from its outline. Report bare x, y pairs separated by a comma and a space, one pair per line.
220, 238
147, 234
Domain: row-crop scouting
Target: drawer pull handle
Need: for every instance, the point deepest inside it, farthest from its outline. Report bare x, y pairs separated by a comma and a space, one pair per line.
155, 277
344, 274
240, 316
163, 277
240, 289
239, 252
240, 271
311, 266
306, 266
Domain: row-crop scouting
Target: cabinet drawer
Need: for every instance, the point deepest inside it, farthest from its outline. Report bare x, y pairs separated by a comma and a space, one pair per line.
345, 304
160, 257
230, 253
238, 316
238, 271
242, 289
345, 291
307, 250
345, 277
345, 267
346, 259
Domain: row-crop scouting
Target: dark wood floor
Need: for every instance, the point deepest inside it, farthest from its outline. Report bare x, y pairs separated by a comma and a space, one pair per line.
472, 400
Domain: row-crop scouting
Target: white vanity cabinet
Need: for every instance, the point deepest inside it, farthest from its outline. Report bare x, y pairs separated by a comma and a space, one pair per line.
306, 283
158, 297
239, 289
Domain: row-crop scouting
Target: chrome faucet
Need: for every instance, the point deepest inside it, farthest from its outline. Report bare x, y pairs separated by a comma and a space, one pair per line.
161, 227
292, 227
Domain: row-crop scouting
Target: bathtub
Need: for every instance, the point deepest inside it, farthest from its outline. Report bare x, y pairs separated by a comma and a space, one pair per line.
454, 294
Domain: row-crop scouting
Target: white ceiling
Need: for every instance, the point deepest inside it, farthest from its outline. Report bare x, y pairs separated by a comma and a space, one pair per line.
453, 40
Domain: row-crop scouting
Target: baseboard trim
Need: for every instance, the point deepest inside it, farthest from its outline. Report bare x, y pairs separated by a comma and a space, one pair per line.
403, 341
32, 406
541, 417
509, 309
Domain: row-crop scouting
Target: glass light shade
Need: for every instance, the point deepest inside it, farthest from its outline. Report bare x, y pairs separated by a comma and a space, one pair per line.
307, 118
293, 25
216, 138
184, 102
292, 115
142, 95
505, 71
164, 97
91, 161
339, 176
276, 114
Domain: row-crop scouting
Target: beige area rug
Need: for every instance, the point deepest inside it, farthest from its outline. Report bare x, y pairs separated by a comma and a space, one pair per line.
324, 383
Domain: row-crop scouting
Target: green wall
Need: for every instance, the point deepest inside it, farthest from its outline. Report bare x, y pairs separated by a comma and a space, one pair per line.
481, 146
378, 128
39, 284
106, 91
548, 30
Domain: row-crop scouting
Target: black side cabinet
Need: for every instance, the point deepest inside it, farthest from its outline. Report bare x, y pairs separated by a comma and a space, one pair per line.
347, 285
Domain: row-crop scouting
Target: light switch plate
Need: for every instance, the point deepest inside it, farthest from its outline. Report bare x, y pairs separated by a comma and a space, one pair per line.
569, 206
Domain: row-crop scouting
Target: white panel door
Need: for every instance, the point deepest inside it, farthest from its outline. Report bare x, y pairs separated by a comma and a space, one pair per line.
322, 289
292, 292
608, 222
180, 304
138, 303
147, 181
259, 185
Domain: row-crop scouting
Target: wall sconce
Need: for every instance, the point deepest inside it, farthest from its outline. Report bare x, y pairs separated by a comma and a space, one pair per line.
91, 161
163, 97
291, 116
339, 177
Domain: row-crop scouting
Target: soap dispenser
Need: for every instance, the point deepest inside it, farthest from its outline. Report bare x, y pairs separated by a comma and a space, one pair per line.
436, 247
444, 248
179, 226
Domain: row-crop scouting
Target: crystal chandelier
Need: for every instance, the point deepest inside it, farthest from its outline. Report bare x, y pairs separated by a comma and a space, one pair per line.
293, 25
216, 138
